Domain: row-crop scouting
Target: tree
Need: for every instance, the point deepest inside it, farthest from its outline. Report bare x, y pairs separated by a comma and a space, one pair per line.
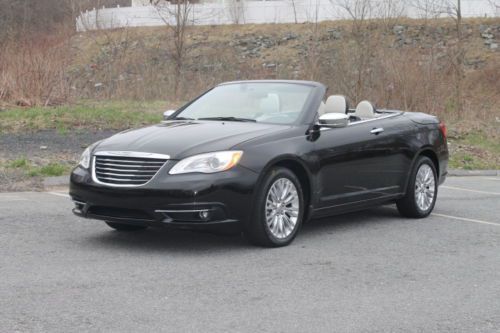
176, 18
313, 54
390, 11
21, 19
452, 9
427, 9
458, 56
359, 11
24, 17
236, 9
294, 11
495, 4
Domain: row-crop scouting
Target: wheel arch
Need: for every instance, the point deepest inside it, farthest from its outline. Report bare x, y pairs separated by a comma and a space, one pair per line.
426, 151
429, 152
300, 169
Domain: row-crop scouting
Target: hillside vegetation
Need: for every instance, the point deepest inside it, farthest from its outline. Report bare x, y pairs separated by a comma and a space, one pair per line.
405, 64
417, 65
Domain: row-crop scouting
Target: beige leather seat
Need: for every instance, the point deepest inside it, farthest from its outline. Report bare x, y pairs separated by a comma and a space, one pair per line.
365, 110
270, 104
334, 104
321, 109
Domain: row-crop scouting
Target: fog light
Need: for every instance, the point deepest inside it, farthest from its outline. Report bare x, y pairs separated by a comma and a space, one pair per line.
204, 214
78, 206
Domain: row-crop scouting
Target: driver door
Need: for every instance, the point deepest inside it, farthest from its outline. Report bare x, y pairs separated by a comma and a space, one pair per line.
358, 165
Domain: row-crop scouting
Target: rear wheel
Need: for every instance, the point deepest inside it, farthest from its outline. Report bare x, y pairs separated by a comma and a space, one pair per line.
279, 210
125, 227
421, 193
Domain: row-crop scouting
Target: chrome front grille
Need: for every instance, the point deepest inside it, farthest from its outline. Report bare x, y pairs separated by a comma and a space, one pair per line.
126, 168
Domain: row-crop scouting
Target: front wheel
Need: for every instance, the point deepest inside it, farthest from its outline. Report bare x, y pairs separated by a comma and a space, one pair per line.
279, 210
422, 189
125, 227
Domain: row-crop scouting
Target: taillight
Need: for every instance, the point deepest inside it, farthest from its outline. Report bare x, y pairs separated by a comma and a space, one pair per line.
442, 127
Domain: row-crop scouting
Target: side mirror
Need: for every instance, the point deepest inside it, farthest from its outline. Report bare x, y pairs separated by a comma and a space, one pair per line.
333, 120
167, 114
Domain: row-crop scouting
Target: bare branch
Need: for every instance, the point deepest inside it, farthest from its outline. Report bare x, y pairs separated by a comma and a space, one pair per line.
176, 16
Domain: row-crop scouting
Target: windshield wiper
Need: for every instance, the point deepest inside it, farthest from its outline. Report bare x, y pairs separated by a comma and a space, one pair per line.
229, 119
181, 118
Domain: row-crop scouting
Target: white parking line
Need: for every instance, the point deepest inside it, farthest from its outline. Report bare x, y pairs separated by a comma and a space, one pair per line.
491, 178
468, 190
59, 194
466, 219
475, 178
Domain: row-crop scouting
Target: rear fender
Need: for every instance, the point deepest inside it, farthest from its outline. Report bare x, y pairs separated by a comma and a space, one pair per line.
427, 149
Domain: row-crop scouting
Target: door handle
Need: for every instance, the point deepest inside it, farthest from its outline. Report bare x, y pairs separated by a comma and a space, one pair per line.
377, 131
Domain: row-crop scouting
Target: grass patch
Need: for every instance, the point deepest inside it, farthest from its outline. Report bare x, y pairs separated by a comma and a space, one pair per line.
484, 141
29, 169
86, 114
20, 163
51, 170
475, 150
469, 162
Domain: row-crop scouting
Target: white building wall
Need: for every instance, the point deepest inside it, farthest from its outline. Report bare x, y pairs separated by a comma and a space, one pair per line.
224, 12
140, 3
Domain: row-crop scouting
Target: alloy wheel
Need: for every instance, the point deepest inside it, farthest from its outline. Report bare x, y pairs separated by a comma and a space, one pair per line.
425, 187
282, 208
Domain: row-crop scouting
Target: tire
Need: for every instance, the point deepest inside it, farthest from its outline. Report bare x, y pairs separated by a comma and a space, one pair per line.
417, 202
125, 227
285, 215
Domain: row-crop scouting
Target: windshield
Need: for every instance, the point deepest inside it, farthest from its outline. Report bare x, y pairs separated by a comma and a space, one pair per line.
279, 103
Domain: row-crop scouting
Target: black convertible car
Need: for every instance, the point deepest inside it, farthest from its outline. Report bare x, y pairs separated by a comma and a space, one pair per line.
262, 156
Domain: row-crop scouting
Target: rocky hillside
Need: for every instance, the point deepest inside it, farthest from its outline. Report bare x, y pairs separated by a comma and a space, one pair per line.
406, 64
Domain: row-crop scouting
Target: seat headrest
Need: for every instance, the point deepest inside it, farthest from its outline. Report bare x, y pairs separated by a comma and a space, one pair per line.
336, 104
321, 109
270, 104
365, 110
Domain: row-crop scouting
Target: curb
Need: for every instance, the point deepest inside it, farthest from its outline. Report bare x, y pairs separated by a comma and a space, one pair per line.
56, 181
468, 173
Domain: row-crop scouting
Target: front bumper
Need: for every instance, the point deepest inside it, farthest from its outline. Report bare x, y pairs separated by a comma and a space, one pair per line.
187, 200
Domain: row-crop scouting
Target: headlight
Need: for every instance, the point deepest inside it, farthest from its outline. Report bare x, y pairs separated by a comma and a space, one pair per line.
208, 163
85, 159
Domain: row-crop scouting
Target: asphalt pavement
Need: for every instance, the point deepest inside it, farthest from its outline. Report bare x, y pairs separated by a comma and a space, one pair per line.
370, 271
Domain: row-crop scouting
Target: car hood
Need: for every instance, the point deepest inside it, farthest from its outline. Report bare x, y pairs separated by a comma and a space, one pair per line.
179, 139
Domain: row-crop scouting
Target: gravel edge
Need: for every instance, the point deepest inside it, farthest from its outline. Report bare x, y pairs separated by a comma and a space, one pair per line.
468, 173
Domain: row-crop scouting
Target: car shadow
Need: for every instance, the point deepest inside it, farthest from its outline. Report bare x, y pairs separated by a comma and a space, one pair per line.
351, 221
186, 241
169, 240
